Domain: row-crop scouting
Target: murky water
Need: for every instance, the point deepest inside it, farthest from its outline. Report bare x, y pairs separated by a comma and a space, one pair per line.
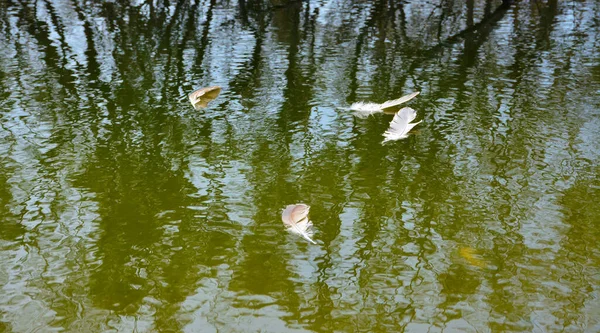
122, 208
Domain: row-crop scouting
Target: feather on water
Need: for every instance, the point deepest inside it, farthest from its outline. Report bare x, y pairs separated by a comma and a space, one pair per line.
401, 125
295, 219
200, 98
365, 109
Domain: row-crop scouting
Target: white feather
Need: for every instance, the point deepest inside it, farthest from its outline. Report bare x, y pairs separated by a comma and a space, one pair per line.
401, 125
365, 109
295, 219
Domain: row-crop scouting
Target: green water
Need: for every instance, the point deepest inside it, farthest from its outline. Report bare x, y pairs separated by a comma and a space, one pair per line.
123, 209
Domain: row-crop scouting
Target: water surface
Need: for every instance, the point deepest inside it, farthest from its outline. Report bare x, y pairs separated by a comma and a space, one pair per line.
124, 209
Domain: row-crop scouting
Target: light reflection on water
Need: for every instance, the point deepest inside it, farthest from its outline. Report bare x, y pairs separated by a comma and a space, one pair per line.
124, 209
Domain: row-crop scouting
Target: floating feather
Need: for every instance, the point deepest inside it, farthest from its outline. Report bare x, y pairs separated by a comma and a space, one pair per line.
295, 219
365, 109
202, 96
401, 124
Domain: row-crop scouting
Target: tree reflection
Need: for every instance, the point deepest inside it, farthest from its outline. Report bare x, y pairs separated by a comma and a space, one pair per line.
144, 211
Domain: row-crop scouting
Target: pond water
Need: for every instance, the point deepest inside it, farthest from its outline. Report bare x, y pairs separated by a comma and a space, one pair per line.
124, 209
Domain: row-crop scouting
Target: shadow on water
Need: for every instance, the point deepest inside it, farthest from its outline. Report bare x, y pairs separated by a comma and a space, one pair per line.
124, 209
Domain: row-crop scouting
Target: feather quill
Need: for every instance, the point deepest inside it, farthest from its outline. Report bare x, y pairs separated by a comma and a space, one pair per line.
401, 125
295, 219
365, 109
200, 98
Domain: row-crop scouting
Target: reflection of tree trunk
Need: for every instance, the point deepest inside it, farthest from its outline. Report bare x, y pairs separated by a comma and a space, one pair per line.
298, 90
66, 77
376, 9
488, 8
10, 227
243, 12
487, 21
247, 80
39, 30
281, 3
383, 74
470, 13
445, 5
187, 31
204, 38
547, 15
506, 3
402, 21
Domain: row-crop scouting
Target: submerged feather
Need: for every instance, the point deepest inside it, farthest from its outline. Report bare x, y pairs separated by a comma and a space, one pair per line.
401, 125
200, 98
295, 219
365, 109
472, 257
